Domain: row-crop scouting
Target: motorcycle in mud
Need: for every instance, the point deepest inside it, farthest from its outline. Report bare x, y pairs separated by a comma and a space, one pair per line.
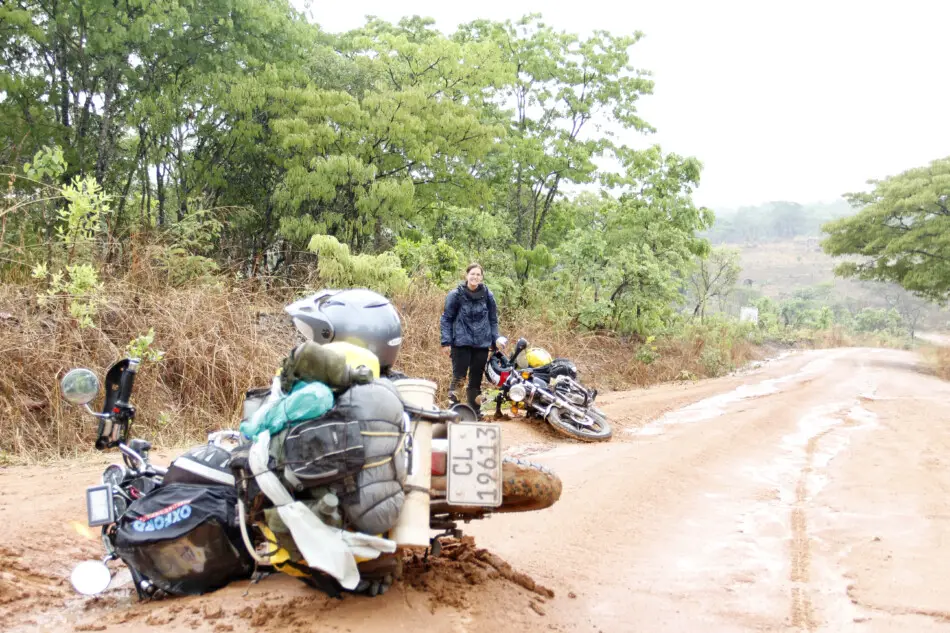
456, 474
547, 388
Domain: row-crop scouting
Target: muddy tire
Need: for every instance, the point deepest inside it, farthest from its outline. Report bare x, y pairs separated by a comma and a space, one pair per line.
526, 487
564, 424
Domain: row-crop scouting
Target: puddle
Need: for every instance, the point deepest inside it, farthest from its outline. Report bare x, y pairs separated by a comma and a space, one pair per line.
798, 475
715, 406
520, 451
766, 552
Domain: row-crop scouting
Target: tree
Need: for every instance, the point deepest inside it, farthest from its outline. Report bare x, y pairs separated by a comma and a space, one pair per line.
363, 163
636, 249
901, 234
788, 219
714, 277
552, 87
910, 308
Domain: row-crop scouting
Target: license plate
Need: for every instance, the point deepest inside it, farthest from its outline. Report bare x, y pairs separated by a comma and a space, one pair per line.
100, 510
474, 468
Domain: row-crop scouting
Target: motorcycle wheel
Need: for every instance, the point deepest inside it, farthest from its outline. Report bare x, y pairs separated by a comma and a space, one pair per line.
563, 423
526, 487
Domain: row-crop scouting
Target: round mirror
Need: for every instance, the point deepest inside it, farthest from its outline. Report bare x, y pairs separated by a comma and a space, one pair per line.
466, 412
90, 577
80, 386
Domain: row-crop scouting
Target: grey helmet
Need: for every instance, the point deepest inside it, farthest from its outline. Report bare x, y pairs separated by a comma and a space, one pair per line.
355, 315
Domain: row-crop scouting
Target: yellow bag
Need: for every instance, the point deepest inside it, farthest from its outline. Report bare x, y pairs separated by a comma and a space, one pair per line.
538, 357
356, 356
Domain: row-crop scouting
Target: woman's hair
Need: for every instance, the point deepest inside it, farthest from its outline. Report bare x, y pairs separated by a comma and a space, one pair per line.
474, 265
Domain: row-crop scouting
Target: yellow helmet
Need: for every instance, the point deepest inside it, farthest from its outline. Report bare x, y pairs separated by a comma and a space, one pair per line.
534, 357
356, 355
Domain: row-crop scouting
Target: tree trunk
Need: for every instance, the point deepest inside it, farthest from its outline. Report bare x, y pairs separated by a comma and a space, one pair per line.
182, 178
139, 155
104, 149
160, 192
548, 199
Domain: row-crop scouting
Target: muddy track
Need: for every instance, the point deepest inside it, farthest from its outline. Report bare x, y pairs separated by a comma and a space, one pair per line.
811, 493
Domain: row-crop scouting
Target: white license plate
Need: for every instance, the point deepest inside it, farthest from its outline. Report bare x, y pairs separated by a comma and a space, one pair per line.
474, 464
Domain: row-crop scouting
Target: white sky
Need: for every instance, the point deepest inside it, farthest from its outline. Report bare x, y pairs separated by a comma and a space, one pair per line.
799, 100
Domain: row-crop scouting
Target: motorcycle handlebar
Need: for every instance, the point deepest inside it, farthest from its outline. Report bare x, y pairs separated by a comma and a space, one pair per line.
126, 382
440, 415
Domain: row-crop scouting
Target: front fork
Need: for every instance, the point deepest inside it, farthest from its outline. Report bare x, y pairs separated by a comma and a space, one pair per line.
145, 589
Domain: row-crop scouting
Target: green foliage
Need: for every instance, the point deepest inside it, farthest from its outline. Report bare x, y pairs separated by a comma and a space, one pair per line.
185, 255
557, 83
815, 309
390, 152
901, 234
648, 352
142, 347
78, 290
437, 262
338, 268
47, 164
714, 277
714, 361
86, 204
878, 320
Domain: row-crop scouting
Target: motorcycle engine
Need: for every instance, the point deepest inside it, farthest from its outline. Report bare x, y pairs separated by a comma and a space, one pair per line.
576, 396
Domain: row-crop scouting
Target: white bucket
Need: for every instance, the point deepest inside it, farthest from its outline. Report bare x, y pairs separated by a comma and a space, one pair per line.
416, 392
412, 527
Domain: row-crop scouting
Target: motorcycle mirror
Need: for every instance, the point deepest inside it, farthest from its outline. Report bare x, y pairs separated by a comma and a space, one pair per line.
90, 577
80, 386
519, 347
466, 412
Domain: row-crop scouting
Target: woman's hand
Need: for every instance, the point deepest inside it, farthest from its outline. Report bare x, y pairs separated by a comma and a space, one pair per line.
447, 350
501, 343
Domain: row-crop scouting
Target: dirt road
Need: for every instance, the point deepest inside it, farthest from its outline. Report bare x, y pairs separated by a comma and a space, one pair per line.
809, 494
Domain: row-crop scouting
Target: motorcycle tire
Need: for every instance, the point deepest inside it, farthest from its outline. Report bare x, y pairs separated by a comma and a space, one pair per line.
526, 487
601, 432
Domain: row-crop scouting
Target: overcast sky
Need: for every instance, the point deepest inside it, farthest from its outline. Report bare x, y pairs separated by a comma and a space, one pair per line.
799, 100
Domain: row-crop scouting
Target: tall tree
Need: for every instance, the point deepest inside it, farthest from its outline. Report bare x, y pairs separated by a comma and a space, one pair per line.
363, 162
714, 277
557, 86
901, 234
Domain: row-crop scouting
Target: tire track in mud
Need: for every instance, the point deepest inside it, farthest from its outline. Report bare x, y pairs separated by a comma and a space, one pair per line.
803, 612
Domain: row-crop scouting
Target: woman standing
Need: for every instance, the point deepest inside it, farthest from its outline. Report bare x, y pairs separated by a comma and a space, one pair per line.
469, 328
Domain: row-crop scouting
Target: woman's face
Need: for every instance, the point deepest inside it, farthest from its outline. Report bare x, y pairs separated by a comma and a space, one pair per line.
473, 278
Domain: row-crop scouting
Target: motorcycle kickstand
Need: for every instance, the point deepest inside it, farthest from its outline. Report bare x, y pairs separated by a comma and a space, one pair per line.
435, 545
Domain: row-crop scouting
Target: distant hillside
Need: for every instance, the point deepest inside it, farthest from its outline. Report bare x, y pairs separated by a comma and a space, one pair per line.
782, 259
774, 221
788, 269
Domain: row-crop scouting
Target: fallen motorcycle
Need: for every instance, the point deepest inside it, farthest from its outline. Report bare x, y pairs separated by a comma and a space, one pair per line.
225, 507
546, 388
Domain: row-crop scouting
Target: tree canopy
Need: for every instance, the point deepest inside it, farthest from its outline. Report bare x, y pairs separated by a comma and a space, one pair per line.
230, 134
901, 234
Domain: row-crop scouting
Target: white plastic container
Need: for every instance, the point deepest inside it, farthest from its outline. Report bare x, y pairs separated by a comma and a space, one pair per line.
412, 527
417, 392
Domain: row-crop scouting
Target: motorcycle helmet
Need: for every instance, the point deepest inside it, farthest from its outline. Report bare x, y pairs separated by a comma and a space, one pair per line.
355, 315
497, 369
534, 358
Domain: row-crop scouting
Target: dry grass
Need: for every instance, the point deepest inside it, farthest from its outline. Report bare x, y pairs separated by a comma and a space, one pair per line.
839, 337
940, 360
220, 341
